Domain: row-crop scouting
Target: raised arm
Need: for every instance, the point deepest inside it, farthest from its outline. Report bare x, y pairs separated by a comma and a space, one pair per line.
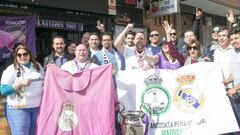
118, 43
100, 26
196, 23
167, 27
231, 19
176, 54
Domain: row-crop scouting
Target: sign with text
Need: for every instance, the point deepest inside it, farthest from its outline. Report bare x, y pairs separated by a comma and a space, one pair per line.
163, 7
188, 101
16, 30
54, 24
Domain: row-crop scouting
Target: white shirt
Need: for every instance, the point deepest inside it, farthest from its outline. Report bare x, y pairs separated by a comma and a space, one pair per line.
236, 67
223, 57
131, 58
30, 95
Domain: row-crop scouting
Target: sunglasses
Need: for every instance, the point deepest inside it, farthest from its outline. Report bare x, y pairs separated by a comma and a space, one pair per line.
22, 54
156, 35
173, 34
193, 47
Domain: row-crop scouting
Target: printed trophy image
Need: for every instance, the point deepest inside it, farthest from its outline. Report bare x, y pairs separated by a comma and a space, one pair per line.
135, 122
153, 102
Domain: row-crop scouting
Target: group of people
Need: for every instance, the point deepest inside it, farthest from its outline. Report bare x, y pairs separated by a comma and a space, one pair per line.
22, 81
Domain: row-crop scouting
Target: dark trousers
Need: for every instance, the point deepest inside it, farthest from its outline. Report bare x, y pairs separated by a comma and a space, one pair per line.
117, 124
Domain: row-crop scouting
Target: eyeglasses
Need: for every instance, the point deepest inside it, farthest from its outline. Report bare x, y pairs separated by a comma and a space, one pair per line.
173, 34
22, 54
192, 47
156, 35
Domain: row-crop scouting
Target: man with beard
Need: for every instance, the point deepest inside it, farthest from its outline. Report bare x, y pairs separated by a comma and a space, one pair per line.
133, 55
108, 54
58, 56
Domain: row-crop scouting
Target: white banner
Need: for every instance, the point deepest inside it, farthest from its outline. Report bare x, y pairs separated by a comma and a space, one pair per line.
190, 100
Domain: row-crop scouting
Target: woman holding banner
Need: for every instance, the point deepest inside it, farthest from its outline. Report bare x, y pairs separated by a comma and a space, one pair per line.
194, 53
168, 58
22, 83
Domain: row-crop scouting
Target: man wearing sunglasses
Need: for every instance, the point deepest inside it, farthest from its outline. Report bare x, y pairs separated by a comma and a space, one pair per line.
154, 45
209, 50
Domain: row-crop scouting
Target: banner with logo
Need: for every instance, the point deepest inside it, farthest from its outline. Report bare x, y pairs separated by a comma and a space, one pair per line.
189, 101
16, 30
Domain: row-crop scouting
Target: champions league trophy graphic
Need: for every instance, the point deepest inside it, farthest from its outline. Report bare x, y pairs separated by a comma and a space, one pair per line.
134, 122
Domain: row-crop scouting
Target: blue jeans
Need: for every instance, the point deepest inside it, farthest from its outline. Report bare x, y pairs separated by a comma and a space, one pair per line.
22, 121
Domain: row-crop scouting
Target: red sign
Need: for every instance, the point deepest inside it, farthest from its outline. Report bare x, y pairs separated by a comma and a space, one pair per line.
130, 2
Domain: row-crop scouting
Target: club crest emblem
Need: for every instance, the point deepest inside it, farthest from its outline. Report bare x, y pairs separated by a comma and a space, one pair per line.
68, 119
187, 96
155, 96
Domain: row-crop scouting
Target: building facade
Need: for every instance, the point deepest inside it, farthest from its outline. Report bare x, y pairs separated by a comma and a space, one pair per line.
214, 13
59, 18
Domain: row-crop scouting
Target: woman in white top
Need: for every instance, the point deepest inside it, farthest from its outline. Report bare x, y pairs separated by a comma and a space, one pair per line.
22, 83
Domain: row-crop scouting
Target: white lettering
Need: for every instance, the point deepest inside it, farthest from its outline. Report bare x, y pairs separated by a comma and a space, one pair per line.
6, 55
18, 22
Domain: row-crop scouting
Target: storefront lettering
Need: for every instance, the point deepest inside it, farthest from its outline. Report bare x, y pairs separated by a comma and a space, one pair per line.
58, 24
71, 26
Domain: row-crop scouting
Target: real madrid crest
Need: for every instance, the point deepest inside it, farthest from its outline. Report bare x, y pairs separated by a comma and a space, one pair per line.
155, 99
187, 96
68, 119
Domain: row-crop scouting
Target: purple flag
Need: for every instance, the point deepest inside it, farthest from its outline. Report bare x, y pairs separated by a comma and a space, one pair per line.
17, 30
